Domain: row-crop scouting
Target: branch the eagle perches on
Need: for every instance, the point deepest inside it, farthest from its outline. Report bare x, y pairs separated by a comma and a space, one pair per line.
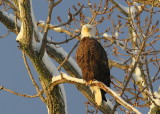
64, 78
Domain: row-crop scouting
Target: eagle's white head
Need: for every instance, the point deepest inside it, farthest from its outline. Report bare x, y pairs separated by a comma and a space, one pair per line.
88, 31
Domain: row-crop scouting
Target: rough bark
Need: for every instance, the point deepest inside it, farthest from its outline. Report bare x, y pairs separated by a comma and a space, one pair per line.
54, 100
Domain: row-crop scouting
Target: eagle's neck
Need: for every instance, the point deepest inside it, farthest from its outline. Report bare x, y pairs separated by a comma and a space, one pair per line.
87, 36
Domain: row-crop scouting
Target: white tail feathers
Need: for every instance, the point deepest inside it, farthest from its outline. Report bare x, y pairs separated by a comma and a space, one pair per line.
97, 94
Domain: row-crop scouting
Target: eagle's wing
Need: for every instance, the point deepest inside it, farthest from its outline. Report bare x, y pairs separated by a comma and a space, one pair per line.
99, 62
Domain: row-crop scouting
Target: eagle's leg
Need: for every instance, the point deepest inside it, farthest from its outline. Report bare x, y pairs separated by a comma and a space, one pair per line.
90, 82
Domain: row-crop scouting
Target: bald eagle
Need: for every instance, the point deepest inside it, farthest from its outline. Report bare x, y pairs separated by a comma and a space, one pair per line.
92, 59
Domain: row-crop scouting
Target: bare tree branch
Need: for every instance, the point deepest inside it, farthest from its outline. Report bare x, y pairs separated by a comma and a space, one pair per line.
32, 78
68, 55
149, 2
66, 79
19, 94
44, 41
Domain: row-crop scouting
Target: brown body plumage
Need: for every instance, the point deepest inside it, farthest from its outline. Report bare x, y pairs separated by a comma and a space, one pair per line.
92, 59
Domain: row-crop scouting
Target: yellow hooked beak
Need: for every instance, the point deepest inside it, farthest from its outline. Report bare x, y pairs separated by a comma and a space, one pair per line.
87, 29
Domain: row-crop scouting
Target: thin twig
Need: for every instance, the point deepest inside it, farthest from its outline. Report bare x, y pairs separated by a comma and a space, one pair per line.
65, 60
70, 17
3, 36
13, 7
32, 78
65, 41
29, 72
19, 94
44, 41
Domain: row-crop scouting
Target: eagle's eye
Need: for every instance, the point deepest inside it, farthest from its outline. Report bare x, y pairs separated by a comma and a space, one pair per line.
88, 29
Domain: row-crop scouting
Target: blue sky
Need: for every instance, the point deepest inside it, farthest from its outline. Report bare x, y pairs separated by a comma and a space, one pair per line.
13, 74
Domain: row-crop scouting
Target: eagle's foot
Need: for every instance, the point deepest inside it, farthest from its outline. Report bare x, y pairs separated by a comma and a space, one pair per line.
89, 83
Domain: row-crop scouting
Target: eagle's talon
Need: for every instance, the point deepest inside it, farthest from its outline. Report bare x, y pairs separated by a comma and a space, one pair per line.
89, 83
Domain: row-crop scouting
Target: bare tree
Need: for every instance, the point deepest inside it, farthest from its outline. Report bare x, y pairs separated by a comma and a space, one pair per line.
131, 38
